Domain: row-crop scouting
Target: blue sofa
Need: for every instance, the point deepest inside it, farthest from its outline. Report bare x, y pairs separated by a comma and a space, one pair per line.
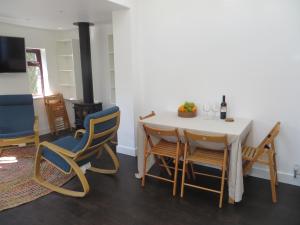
18, 125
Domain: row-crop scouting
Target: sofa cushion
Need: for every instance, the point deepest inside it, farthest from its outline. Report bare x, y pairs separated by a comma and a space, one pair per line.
11, 134
6, 100
16, 113
67, 143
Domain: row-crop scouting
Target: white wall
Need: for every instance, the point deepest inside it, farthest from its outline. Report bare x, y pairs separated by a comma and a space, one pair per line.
100, 63
198, 50
125, 80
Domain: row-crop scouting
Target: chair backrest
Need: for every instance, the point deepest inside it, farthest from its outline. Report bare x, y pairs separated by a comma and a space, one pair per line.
100, 128
160, 133
54, 99
16, 113
269, 139
147, 116
57, 113
218, 139
266, 144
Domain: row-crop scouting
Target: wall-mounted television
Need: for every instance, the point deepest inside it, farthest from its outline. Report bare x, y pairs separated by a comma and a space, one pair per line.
12, 55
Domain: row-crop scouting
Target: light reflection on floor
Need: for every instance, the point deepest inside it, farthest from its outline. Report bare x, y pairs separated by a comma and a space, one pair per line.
7, 160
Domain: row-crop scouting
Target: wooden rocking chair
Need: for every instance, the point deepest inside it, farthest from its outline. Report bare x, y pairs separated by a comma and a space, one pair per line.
69, 153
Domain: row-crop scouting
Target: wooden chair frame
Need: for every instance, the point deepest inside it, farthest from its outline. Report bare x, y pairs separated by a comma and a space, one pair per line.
147, 152
49, 105
164, 164
147, 116
71, 158
9, 142
266, 147
189, 136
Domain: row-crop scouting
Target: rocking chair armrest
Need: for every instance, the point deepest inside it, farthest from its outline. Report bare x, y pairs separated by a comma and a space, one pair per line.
78, 132
57, 149
36, 125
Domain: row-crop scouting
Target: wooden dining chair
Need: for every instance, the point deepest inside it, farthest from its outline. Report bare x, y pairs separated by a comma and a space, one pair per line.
58, 118
163, 148
264, 154
216, 158
163, 164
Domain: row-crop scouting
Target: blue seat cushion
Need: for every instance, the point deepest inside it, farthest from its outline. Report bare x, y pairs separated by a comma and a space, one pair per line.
6, 134
68, 143
17, 116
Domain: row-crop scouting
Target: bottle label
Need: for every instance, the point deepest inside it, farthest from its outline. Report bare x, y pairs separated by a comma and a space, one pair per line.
223, 109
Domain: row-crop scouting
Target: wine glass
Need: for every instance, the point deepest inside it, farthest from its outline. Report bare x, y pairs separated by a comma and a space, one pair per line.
216, 110
206, 109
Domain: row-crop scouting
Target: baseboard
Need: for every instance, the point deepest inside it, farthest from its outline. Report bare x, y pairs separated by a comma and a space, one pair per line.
126, 150
282, 177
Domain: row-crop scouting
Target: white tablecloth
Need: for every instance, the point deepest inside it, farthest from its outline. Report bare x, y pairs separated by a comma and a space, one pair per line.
237, 131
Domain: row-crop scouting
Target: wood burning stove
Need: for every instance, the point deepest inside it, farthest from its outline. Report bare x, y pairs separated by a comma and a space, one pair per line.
83, 109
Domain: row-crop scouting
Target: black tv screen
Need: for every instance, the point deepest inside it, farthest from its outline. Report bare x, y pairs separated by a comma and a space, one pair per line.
12, 55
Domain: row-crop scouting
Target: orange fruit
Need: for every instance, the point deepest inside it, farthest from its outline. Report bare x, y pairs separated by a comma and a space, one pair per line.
181, 108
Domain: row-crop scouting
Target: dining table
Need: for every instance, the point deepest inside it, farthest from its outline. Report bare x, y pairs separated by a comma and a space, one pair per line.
236, 131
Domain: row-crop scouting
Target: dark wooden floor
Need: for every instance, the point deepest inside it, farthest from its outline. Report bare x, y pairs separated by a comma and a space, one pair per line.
120, 200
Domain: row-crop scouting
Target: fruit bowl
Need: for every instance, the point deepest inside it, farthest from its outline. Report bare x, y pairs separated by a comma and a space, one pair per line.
187, 110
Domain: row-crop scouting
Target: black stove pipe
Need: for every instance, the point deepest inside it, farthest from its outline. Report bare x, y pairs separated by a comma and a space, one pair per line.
86, 61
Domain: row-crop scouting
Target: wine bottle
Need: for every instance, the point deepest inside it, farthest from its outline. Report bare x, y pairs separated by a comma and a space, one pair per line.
223, 109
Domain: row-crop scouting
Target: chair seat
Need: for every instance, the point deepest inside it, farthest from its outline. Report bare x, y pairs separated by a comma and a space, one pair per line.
166, 148
15, 134
68, 143
207, 156
248, 152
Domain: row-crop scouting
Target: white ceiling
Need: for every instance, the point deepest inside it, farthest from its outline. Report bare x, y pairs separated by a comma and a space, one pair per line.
56, 14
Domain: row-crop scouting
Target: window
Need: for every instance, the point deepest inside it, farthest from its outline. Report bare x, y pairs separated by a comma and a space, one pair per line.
35, 71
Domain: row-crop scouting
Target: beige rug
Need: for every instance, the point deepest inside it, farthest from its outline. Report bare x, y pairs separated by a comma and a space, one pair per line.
16, 171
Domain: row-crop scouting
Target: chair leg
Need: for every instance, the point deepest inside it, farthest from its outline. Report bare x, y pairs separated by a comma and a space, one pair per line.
166, 166
275, 169
187, 172
175, 176
144, 169
247, 167
183, 178
192, 169
223, 180
37, 177
272, 177
36, 140
114, 158
274, 162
